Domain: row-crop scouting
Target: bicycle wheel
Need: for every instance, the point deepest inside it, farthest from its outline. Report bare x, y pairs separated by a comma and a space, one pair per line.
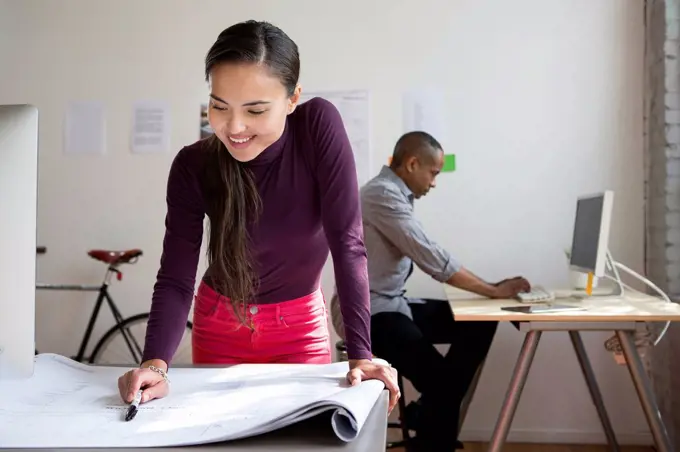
113, 349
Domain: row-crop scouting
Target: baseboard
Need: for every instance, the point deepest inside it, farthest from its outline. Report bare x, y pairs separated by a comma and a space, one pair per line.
556, 436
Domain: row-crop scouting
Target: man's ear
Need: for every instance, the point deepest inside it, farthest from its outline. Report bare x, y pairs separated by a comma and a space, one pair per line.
411, 163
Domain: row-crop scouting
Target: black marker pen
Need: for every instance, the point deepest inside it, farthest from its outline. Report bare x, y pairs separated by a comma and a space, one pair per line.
134, 406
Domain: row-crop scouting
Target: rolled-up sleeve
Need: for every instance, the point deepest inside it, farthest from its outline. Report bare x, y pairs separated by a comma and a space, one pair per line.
393, 217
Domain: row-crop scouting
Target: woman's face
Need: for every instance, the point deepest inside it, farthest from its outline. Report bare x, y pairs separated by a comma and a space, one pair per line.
248, 108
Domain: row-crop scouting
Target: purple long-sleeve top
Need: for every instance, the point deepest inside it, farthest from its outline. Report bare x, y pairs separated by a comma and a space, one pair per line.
307, 181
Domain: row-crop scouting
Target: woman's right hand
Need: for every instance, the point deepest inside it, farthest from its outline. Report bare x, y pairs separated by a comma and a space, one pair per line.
151, 382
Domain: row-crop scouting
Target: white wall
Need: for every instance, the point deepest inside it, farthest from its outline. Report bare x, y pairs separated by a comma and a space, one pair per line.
544, 99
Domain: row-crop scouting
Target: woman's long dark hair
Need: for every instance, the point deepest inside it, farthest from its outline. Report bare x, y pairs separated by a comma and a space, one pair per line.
231, 196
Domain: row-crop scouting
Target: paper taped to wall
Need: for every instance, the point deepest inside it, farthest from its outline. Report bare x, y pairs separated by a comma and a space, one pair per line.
355, 109
69, 404
85, 128
424, 110
150, 127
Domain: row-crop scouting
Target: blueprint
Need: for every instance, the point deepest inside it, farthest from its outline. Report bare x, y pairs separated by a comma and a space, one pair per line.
69, 404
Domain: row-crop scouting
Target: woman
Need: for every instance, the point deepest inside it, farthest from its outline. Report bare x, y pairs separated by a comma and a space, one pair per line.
278, 183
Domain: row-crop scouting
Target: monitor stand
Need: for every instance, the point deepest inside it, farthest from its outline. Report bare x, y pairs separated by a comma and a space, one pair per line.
604, 292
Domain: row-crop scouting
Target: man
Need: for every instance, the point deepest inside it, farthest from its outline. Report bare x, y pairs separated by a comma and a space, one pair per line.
404, 330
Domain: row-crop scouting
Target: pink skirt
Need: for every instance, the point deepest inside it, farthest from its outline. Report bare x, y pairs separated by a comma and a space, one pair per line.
294, 331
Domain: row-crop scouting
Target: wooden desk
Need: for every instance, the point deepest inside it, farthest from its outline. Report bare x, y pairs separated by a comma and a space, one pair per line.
604, 313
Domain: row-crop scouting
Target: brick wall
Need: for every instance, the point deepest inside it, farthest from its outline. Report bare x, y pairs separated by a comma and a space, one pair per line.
662, 186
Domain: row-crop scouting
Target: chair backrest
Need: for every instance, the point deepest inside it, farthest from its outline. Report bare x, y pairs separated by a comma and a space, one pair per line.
336, 316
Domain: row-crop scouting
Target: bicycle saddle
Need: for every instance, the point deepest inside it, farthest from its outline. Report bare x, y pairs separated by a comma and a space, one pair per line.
115, 257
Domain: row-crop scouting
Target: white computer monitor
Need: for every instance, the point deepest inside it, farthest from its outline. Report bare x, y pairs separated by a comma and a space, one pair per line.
18, 208
590, 241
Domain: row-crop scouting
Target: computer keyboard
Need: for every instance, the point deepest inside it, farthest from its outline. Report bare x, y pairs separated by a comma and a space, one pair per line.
537, 295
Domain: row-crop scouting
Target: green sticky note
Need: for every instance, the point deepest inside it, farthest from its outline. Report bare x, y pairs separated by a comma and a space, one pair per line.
449, 163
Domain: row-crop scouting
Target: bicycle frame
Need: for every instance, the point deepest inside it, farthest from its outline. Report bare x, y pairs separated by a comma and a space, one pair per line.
103, 290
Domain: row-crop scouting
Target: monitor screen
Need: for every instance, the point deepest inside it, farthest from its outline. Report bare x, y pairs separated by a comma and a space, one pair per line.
587, 232
591, 233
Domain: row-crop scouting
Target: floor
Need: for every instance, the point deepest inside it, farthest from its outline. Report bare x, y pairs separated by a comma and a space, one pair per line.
518, 447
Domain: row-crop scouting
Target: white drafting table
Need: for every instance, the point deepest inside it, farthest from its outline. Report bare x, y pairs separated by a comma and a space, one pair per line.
609, 313
314, 434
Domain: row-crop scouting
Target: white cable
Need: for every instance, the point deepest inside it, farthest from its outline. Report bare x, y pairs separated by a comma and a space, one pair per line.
612, 265
653, 286
616, 281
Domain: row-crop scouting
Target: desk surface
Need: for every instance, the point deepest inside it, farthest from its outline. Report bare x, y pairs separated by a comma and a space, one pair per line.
633, 307
312, 434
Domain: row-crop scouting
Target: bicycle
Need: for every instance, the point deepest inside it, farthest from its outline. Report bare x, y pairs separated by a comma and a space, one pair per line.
122, 330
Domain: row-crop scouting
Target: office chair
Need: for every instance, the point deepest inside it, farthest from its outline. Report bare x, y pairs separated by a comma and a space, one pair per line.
341, 355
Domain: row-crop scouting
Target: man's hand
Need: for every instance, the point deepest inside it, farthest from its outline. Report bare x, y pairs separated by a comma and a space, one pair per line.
364, 369
509, 288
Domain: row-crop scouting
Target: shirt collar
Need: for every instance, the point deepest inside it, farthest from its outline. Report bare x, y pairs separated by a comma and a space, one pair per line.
387, 173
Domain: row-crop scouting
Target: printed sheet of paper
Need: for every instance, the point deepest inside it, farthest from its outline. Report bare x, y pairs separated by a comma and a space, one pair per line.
424, 110
355, 108
77, 405
85, 128
150, 127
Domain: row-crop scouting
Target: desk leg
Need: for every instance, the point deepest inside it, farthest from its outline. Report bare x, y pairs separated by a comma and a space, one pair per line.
595, 393
645, 393
519, 378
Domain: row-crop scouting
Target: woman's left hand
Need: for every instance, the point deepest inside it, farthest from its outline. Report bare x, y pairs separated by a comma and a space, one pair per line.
364, 369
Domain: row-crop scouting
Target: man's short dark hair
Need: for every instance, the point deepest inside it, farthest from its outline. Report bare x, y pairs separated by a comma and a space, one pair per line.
416, 143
